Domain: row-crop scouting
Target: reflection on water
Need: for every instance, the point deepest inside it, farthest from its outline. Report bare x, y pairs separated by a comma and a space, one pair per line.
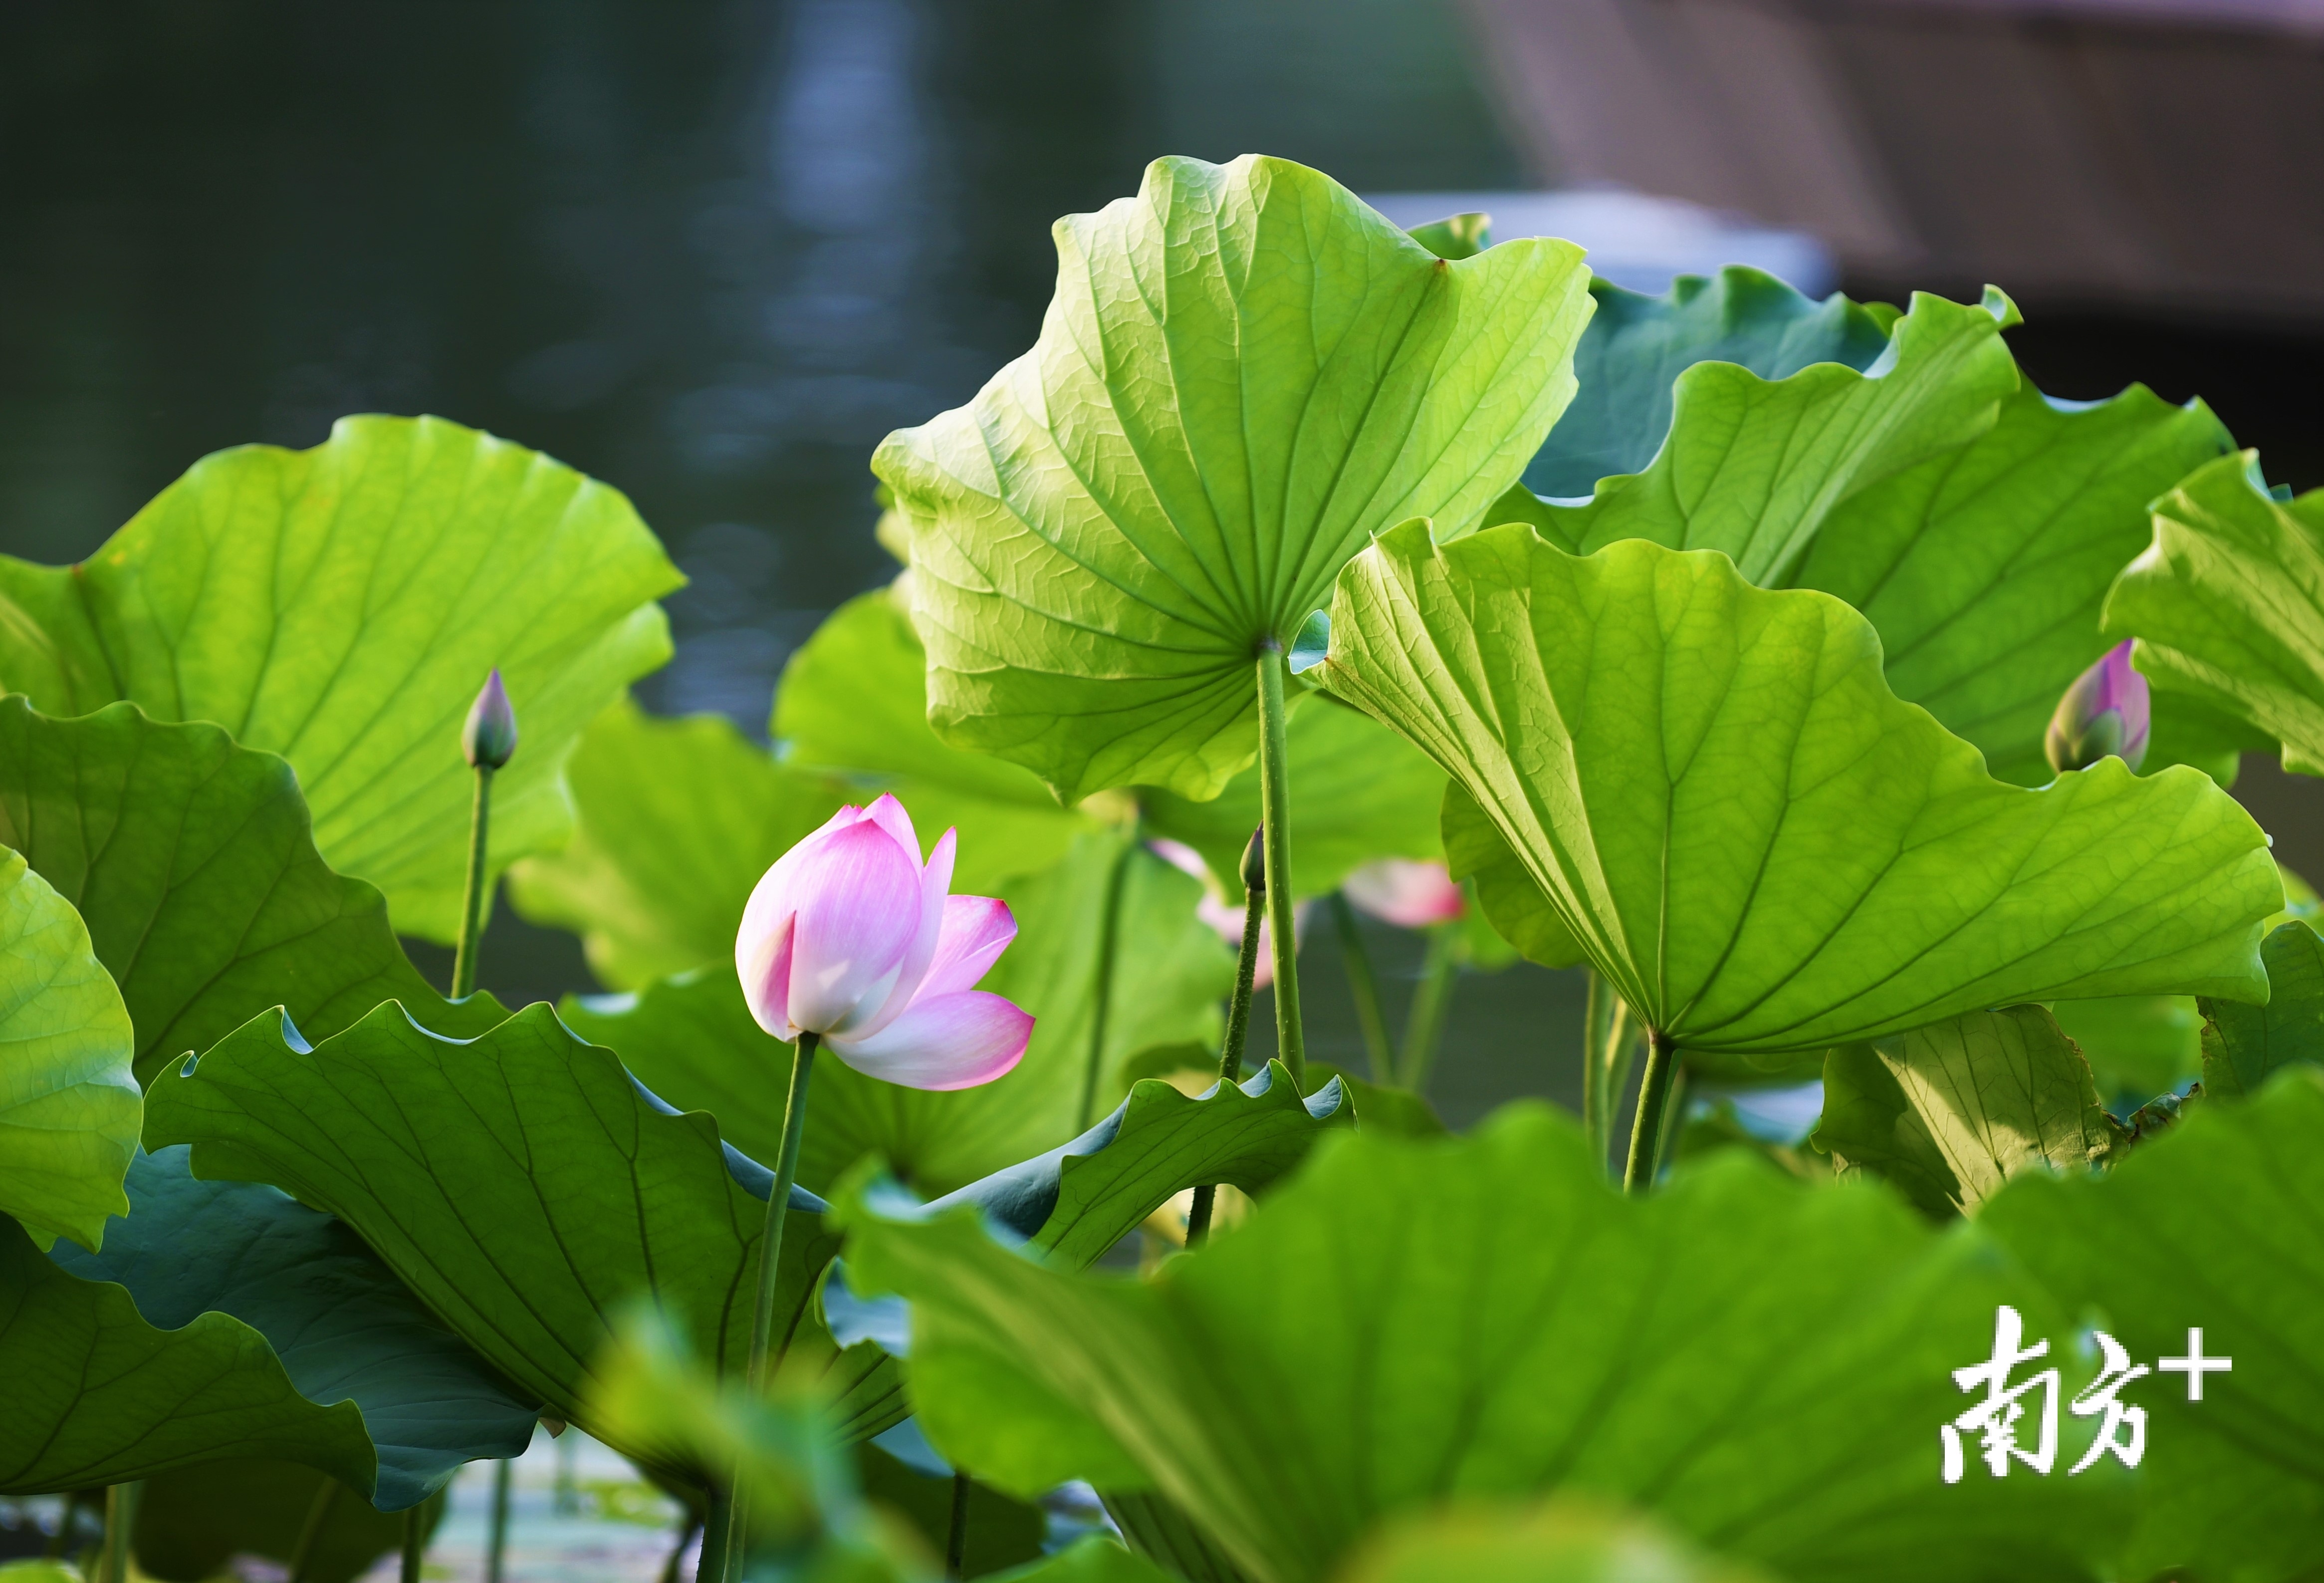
709, 253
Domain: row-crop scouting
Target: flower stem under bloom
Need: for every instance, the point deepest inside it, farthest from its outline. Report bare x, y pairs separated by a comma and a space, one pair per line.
2104, 712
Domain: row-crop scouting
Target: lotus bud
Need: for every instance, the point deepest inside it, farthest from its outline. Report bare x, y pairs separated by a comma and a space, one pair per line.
1407, 894
2105, 712
489, 739
852, 937
1254, 863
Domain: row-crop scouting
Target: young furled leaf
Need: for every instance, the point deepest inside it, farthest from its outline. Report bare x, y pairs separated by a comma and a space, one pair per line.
1748, 834
340, 606
1244, 374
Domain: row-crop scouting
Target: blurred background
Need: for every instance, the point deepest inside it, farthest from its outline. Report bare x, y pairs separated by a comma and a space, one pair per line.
712, 252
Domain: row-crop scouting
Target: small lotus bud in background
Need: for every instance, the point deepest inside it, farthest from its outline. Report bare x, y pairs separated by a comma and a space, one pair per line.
2104, 713
1405, 893
489, 739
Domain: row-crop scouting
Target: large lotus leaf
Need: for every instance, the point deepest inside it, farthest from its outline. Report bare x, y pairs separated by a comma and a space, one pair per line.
521, 1185
69, 1107
1984, 568
340, 606
677, 819
1095, 1560
1571, 1539
2243, 1045
691, 1040
1761, 1364
1951, 1112
1245, 373
2213, 1224
96, 1396
1637, 345
193, 1522
854, 699
1754, 840
1363, 793
345, 1327
193, 861
1756, 467
2227, 604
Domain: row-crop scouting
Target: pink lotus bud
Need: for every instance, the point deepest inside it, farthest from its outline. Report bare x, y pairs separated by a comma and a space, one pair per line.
489, 739
1407, 894
852, 937
1223, 917
2104, 712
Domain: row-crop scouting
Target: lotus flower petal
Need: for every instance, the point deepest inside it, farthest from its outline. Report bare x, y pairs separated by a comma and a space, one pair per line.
941, 1041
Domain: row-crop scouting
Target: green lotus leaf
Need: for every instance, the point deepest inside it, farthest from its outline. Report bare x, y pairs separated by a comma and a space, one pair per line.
1244, 374
692, 1041
1515, 906
1760, 1364
1094, 1559
854, 700
1984, 567
194, 864
2242, 1045
1754, 840
69, 1108
1156, 1530
1951, 1112
480, 1172
1570, 1539
1076, 1201
1364, 793
340, 606
1637, 345
2225, 602
343, 1327
1755, 467
2211, 1225
96, 1396
676, 821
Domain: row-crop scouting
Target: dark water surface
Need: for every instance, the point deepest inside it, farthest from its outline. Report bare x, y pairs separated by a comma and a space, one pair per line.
709, 253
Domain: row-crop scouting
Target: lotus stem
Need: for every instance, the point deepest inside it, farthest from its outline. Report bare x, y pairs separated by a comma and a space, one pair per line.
1424, 1025
1254, 910
1275, 822
1610, 1037
1363, 983
471, 902
771, 1249
710, 1567
1102, 985
1654, 1100
496, 1545
956, 1543
415, 1545
120, 1531
311, 1531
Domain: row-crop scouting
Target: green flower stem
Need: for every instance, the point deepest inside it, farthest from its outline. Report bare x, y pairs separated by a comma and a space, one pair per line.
1424, 1025
1654, 1100
1254, 909
1275, 818
771, 1249
1102, 985
956, 1543
120, 1527
1364, 985
471, 904
311, 1531
1609, 1040
415, 1545
496, 1545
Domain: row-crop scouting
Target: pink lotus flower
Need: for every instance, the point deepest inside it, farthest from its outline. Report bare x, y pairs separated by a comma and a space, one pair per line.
1407, 894
1223, 917
2104, 712
852, 937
